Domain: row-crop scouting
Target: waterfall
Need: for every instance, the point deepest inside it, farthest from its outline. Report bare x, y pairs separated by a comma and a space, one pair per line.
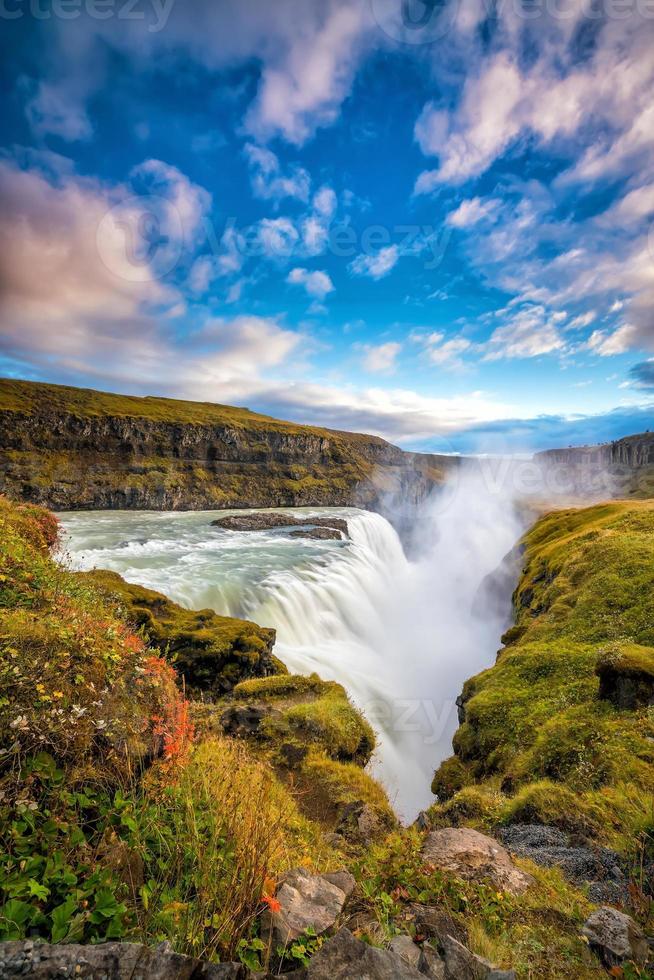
401, 635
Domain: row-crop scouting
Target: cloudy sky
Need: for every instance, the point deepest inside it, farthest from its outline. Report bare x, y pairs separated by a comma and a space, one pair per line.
430, 220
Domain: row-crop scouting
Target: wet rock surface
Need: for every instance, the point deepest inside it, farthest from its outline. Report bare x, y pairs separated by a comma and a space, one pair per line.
597, 867
306, 901
615, 937
109, 961
263, 521
474, 856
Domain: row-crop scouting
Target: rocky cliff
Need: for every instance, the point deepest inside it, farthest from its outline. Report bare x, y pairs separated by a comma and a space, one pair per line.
73, 448
625, 467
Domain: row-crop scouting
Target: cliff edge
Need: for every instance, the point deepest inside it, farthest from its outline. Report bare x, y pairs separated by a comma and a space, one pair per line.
71, 448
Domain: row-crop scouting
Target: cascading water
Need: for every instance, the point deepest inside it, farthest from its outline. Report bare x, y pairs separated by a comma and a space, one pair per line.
401, 635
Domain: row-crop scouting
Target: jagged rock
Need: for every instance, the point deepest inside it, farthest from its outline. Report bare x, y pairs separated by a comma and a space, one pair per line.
359, 822
347, 958
306, 901
109, 961
318, 534
461, 964
243, 722
615, 937
435, 924
626, 676
405, 947
430, 963
473, 856
597, 867
422, 821
266, 521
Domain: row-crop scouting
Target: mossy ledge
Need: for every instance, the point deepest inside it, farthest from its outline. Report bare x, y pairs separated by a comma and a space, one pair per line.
561, 730
72, 448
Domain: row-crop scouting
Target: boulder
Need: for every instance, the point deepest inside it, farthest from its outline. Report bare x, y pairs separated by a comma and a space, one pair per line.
461, 964
405, 947
626, 676
435, 924
430, 963
473, 856
109, 961
306, 901
244, 722
347, 958
615, 937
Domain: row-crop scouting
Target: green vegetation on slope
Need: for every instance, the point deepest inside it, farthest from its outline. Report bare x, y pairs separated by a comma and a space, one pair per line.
538, 743
116, 820
211, 652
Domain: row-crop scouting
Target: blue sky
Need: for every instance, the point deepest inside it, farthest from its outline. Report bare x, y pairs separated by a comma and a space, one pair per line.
428, 221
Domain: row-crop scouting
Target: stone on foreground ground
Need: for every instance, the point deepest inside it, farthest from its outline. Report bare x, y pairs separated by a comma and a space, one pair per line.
461, 964
344, 958
473, 856
306, 902
114, 961
615, 937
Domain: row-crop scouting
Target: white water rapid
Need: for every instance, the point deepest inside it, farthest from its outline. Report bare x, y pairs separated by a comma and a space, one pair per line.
401, 635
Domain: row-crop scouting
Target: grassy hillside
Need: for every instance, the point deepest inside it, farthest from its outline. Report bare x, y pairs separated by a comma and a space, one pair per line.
28, 398
125, 811
538, 742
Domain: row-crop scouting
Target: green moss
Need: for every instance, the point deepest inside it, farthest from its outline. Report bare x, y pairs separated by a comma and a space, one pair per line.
534, 723
328, 786
280, 686
330, 722
212, 652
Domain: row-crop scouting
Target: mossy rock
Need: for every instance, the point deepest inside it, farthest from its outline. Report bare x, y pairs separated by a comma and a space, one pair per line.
449, 778
308, 712
213, 653
626, 673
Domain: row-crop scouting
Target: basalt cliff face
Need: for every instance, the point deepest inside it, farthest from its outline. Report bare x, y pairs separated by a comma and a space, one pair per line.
621, 468
72, 448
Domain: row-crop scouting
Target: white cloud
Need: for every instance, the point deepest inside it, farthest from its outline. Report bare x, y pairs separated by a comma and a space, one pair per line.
324, 201
268, 181
378, 265
381, 358
56, 109
317, 283
277, 237
303, 89
471, 212
618, 342
597, 107
446, 352
528, 333
582, 321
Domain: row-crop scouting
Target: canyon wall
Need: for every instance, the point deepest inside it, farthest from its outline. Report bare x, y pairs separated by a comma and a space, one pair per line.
70, 448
